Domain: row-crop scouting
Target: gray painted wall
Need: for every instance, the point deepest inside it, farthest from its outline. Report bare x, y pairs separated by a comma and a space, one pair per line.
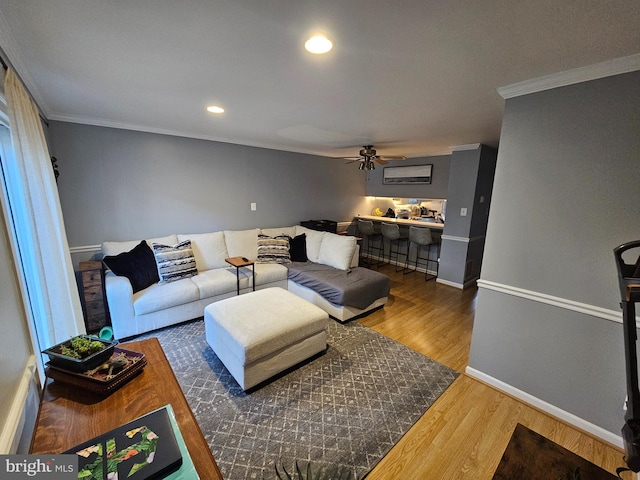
122, 185
470, 186
565, 194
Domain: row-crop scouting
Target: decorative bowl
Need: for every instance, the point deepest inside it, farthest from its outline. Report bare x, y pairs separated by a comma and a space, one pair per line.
57, 358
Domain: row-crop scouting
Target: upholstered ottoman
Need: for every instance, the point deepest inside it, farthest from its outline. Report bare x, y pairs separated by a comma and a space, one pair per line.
260, 334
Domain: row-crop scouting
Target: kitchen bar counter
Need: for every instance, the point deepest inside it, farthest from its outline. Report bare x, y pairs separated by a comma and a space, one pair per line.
402, 221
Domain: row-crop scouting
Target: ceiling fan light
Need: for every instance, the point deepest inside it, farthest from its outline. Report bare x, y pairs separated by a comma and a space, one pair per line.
361, 166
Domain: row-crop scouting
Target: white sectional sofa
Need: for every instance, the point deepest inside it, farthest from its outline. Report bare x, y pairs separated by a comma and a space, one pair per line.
163, 304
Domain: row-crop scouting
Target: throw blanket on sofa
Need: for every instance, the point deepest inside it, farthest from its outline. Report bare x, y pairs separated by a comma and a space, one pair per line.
357, 287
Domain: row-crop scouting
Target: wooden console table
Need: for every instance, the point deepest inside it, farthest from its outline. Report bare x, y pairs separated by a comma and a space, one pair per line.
69, 416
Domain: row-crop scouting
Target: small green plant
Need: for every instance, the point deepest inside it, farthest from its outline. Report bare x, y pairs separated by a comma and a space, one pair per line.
80, 347
338, 473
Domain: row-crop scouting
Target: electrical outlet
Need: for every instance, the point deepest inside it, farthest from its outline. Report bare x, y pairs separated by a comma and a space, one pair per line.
463, 212
254, 207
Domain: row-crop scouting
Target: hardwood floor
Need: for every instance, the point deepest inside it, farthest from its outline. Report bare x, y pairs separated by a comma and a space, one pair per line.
465, 432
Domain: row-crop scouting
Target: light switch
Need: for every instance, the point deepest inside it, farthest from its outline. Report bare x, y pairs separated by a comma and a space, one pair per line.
463, 212
253, 206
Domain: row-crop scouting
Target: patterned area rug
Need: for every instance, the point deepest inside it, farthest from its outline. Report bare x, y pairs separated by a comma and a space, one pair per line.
345, 408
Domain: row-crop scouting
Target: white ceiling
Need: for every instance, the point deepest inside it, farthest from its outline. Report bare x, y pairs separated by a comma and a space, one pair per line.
412, 77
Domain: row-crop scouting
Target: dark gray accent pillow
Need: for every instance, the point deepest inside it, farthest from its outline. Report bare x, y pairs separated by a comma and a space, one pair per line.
298, 248
138, 265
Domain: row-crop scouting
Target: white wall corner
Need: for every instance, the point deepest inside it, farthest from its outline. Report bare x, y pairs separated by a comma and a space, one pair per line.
15, 421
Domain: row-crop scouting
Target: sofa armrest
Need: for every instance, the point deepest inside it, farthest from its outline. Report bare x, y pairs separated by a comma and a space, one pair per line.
120, 300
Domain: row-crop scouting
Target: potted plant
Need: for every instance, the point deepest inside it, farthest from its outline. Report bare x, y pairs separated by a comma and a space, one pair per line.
80, 353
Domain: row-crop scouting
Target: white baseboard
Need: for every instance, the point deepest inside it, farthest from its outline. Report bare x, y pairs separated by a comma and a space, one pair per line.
552, 410
15, 421
451, 284
461, 286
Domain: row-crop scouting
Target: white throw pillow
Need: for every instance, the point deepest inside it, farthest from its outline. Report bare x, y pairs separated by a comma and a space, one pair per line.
314, 240
242, 243
209, 249
337, 250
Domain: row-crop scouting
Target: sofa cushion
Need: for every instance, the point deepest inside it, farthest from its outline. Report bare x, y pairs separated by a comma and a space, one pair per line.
219, 281
160, 297
273, 249
274, 232
313, 241
268, 273
337, 250
114, 248
298, 248
242, 243
209, 249
175, 262
138, 265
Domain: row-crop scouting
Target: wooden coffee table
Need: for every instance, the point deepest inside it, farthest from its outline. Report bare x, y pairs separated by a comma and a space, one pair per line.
69, 416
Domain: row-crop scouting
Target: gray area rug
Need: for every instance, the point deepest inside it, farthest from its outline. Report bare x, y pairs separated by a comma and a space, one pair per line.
345, 408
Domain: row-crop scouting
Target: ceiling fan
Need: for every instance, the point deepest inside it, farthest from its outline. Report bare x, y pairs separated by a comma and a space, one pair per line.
368, 158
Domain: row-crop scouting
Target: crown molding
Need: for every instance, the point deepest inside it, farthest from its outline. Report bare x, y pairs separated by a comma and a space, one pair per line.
468, 146
609, 68
12, 56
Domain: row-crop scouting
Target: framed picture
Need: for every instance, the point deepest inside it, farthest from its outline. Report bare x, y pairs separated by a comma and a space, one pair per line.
409, 175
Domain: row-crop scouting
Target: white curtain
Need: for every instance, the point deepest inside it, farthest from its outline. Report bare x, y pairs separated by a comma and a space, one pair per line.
37, 217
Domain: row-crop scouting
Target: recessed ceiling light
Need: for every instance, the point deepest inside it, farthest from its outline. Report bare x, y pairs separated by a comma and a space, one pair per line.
318, 44
215, 109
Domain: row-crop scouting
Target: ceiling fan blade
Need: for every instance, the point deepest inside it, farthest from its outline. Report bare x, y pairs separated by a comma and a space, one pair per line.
392, 157
353, 161
380, 161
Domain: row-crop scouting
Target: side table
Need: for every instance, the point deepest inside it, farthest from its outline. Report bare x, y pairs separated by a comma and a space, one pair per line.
69, 416
93, 296
239, 262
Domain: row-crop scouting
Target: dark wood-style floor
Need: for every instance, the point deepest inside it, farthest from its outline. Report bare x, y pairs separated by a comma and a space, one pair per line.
465, 432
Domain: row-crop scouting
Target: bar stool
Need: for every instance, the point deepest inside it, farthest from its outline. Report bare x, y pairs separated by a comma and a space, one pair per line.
392, 232
421, 237
370, 232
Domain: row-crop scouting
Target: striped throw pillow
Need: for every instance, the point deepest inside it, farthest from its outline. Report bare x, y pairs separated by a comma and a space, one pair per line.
174, 262
273, 249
